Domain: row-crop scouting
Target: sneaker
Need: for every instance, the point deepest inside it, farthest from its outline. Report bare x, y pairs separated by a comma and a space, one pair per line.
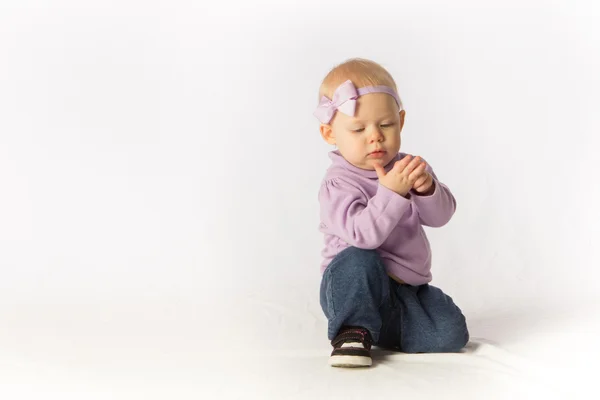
351, 348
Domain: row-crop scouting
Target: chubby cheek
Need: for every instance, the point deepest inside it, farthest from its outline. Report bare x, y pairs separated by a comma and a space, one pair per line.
396, 143
356, 144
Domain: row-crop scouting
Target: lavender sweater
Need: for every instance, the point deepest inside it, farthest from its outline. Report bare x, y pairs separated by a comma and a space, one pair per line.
357, 211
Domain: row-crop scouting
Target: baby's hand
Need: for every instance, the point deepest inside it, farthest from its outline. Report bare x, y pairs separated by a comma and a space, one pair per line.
402, 177
424, 184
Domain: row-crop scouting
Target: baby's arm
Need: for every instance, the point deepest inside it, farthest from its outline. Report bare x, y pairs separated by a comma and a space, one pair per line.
437, 208
360, 222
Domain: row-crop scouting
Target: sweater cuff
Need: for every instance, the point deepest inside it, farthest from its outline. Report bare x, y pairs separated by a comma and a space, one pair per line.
432, 203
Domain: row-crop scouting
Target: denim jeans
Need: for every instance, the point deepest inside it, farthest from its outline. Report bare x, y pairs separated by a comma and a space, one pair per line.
356, 291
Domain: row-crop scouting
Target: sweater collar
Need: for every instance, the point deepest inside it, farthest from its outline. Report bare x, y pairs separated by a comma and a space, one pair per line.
338, 159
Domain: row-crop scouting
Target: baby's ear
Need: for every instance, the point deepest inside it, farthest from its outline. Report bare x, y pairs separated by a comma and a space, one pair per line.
327, 133
402, 115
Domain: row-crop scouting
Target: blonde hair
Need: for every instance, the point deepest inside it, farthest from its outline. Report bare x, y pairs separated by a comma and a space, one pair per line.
360, 71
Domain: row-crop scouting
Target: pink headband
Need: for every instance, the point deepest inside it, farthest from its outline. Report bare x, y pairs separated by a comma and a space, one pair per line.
344, 100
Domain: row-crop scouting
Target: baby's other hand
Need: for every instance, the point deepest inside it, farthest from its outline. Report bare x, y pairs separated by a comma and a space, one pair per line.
424, 184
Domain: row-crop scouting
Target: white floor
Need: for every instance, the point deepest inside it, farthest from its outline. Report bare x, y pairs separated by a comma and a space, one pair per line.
174, 349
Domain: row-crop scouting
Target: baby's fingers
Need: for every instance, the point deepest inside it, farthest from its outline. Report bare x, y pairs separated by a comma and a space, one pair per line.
416, 161
418, 171
399, 166
421, 180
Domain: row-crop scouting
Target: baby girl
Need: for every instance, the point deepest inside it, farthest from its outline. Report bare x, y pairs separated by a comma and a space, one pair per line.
374, 203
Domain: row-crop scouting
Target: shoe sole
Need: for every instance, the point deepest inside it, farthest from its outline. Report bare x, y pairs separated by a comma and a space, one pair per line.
350, 361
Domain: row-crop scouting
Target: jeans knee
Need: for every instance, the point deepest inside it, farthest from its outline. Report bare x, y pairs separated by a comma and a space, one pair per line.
446, 338
454, 340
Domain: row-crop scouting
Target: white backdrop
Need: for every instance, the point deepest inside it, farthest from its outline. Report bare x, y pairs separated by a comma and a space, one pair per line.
159, 165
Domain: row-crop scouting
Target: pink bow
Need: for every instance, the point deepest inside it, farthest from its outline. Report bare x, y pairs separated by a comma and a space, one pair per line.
344, 99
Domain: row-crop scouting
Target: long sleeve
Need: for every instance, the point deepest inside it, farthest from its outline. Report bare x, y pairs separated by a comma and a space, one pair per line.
364, 223
438, 208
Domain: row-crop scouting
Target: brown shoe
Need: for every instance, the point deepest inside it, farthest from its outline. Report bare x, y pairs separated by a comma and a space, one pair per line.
351, 348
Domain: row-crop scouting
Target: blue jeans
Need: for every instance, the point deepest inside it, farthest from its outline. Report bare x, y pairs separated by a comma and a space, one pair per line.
356, 291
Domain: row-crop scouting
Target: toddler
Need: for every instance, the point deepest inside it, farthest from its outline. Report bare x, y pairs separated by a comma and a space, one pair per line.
374, 201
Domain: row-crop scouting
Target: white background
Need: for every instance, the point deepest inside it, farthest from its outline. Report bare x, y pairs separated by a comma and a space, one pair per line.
159, 169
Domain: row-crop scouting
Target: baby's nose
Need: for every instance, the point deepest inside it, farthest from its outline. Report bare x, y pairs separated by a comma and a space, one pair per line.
376, 134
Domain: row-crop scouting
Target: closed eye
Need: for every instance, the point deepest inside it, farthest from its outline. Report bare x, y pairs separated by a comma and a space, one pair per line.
383, 126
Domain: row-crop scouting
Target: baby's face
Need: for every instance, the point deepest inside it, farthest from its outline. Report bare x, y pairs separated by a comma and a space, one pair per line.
372, 135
